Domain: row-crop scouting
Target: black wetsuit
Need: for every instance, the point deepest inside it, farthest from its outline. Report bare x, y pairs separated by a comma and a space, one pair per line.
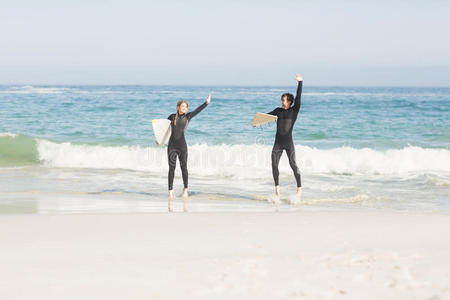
177, 144
283, 139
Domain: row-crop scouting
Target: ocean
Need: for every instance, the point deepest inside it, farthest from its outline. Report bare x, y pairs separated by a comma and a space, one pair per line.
89, 149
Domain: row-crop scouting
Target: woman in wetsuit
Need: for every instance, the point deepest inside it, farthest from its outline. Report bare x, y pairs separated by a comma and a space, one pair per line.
178, 147
287, 115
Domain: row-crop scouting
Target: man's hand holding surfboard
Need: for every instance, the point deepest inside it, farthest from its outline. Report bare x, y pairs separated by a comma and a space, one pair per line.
262, 118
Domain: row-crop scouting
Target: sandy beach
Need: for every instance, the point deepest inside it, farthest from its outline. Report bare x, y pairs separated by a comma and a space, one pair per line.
311, 141
314, 255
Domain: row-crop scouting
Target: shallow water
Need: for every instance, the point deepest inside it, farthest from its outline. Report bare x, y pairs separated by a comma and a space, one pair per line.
71, 149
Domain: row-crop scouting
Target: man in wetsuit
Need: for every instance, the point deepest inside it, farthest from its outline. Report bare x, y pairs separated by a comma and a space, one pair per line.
287, 115
177, 145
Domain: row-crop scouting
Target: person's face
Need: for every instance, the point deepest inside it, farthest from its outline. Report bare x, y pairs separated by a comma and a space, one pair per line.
285, 102
183, 108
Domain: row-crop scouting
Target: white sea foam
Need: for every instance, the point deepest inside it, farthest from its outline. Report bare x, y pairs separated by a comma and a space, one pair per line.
368, 161
360, 198
257, 93
171, 92
373, 94
28, 89
247, 161
8, 134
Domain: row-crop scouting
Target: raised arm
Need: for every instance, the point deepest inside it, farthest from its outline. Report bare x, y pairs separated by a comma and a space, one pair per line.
298, 96
199, 109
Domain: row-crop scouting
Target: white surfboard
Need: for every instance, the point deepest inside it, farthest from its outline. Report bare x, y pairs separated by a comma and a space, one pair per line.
162, 130
262, 118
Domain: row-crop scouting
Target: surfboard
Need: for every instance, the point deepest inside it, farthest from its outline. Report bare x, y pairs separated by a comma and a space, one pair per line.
262, 118
162, 130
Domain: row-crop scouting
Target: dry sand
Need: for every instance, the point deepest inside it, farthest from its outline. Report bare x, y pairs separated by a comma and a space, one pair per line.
312, 255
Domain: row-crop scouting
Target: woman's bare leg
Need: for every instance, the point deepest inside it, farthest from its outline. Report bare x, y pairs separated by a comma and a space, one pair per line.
185, 197
170, 200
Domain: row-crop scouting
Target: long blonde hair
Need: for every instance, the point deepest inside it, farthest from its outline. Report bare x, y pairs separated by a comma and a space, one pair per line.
178, 109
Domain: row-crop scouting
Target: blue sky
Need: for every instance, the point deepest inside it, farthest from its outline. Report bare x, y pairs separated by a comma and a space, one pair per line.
389, 43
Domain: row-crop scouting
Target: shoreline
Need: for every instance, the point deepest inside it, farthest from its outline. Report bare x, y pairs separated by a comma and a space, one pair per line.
243, 255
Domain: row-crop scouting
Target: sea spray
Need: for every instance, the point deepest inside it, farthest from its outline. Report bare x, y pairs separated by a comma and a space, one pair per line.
247, 161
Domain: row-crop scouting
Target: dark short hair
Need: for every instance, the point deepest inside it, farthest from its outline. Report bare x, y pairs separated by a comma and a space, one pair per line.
289, 97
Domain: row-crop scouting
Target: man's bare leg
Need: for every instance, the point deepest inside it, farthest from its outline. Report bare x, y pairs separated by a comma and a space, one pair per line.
298, 197
277, 196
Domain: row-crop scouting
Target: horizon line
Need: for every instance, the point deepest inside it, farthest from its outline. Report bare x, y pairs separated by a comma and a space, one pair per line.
219, 85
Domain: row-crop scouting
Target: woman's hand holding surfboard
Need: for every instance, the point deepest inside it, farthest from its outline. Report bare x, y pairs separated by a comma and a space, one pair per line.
162, 130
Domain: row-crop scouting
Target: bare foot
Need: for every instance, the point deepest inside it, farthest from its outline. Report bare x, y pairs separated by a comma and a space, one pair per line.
277, 190
298, 197
185, 197
277, 197
170, 200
